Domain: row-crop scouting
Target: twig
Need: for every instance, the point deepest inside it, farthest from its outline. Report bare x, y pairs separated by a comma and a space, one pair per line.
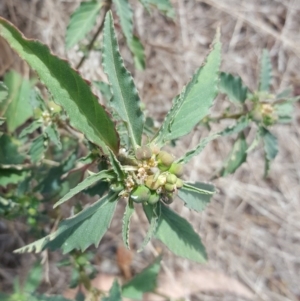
227, 116
106, 8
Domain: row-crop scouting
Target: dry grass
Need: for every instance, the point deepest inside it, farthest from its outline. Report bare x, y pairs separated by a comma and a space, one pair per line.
252, 227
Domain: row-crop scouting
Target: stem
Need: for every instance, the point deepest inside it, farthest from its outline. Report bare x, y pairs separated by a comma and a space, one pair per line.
227, 116
106, 8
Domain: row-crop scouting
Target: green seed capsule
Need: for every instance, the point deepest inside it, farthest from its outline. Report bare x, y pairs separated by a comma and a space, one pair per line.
176, 169
163, 167
140, 194
116, 187
143, 153
154, 198
171, 179
179, 183
170, 187
165, 159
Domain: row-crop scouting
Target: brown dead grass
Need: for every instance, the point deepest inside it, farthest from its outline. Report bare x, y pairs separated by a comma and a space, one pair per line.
251, 228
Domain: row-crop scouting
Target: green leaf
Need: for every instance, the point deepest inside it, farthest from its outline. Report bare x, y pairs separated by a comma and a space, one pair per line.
82, 21
164, 6
237, 156
33, 126
286, 93
198, 149
37, 101
116, 166
233, 87
196, 196
125, 15
12, 176
270, 143
265, 76
53, 135
16, 108
69, 90
37, 149
239, 126
104, 89
114, 293
80, 230
120, 125
80, 296
51, 184
194, 101
98, 189
178, 235
137, 50
125, 98
156, 209
104, 174
129, 210
149, 127
284, 111
9, 154
270, 147
143, 282
254, 142
3, 92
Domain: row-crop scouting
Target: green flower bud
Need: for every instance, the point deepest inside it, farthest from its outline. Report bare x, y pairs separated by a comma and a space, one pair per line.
171, 179
176, 169
116, 187
167, 198
179, 183
170, 187
164, 159
143, 153
140, 194
154, 198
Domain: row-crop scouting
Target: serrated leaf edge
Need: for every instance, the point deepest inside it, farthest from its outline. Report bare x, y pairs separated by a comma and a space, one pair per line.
129, 210
153, 226
76, 71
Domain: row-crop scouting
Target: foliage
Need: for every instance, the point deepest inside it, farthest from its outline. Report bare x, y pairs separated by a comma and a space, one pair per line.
259, 109
58, 144
85, 16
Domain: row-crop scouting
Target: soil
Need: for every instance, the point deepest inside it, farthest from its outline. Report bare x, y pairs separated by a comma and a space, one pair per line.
250, 229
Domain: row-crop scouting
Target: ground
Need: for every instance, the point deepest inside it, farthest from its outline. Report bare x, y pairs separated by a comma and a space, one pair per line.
251, 228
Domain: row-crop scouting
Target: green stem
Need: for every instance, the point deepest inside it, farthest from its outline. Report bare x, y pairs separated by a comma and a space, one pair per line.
106, 8
227, 116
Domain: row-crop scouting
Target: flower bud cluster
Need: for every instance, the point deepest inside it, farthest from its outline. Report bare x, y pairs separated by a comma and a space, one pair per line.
265, 113
154, 177
268, 114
